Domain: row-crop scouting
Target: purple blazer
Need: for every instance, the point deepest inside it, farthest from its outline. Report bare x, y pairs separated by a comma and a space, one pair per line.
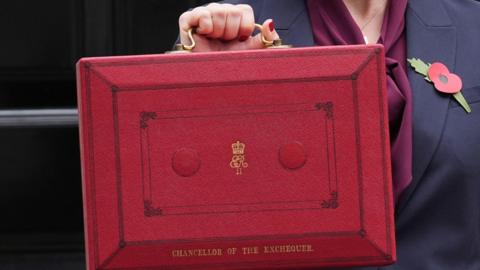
438, 218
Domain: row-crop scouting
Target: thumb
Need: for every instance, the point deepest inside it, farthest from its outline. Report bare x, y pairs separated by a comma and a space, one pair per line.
268, 32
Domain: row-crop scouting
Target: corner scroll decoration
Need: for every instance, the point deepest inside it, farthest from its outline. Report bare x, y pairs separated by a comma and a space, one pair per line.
327, 107
145, 117
332, 203
151, 211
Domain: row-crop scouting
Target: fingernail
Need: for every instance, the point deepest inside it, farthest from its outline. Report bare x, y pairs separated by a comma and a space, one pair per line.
242, 38
271, 25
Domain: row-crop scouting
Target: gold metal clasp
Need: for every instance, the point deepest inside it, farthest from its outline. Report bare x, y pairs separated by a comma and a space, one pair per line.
269, 44
278, 44
180, 48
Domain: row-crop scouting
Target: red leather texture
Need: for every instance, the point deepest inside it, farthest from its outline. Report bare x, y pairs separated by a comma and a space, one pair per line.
266, 159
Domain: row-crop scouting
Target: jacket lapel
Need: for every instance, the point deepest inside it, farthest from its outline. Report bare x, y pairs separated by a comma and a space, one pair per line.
432, 38
291, 21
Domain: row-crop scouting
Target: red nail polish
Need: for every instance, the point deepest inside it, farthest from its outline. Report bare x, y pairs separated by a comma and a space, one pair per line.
242, 38
271, 25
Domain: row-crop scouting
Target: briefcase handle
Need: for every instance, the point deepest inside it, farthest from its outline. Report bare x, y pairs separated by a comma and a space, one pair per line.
182, 48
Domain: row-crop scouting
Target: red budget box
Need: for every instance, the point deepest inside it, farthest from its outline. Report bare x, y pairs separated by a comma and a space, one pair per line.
264, 159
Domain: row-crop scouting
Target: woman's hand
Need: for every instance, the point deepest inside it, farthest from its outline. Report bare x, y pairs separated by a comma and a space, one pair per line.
224, 27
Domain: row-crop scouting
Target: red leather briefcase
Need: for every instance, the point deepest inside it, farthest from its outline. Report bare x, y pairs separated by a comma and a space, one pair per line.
265, 159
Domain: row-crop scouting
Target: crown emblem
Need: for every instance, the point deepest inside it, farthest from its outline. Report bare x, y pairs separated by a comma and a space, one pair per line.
238, 148
238, 160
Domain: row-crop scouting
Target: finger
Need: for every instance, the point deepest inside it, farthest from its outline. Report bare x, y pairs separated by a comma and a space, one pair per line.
219, 18
254, 42
205, 23
247, 25
199, 18
268, 30
232, 24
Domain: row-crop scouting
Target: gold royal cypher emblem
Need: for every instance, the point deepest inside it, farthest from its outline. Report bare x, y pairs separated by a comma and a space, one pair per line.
238, 160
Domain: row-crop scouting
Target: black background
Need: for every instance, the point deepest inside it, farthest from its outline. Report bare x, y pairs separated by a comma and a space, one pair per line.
41, 221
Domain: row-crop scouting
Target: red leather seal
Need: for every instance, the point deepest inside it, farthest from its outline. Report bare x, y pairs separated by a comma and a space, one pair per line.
185, 162
292, 155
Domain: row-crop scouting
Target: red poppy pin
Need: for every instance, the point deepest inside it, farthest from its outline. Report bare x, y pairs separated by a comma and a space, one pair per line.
443, 80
